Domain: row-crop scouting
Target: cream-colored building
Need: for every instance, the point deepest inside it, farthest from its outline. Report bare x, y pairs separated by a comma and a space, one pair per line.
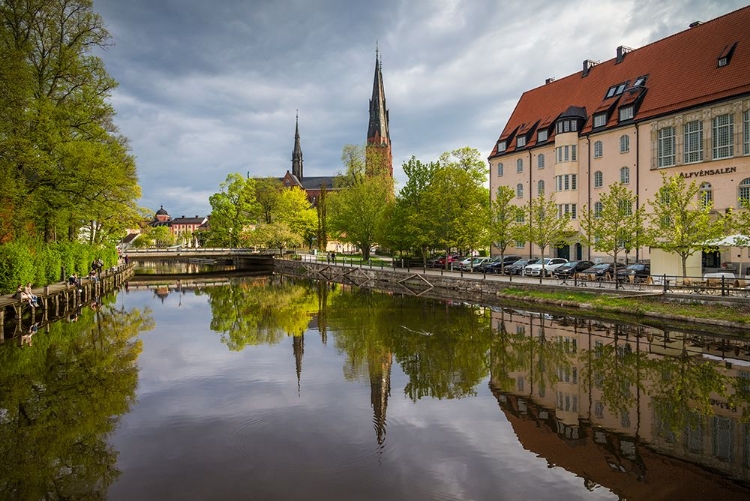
678, 106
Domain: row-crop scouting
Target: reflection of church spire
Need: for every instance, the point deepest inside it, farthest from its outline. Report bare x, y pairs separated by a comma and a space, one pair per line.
323, 311
380, 390
298, 343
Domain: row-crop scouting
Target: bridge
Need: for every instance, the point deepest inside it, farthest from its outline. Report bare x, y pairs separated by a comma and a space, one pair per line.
200, 252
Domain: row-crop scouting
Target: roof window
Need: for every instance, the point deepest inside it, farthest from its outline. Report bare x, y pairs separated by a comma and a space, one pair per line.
501, 145
726, 55
600, 119
521, 141
616, 90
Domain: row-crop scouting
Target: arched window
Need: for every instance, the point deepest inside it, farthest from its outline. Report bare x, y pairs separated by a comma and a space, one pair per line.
519, 165
500, 169
519, 190
598, 210
598, 179
745, 189
540, 161
598, 149
540, 188
706, 195
624, 143
625, 175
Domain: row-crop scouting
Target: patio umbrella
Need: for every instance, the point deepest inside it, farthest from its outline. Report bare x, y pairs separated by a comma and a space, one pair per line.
736, 240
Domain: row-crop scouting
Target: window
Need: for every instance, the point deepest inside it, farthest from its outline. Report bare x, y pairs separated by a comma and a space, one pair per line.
519, 190
665, 147
519, 165
540, 161
598, 149
723, 130
693, 136
558, 151
626, 208
558, 183
573, 181
598, 179
521, 142
746, 132
574, 214
573, 125
624, 143
520, 244
626, 113
566, 126
600, 120
541, 136
540, 188
573, 152
625, 175
706, 195
500, 169
501, 145
567, 182
745, 189
598, 209
567, 153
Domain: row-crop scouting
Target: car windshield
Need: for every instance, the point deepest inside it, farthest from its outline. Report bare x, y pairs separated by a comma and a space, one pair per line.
636, 266
602, 266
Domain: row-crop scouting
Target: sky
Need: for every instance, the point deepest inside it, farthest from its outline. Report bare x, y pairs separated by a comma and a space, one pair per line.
210, 88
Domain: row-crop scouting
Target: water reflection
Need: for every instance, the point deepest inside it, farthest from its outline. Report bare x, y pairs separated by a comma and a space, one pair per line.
611, 395
61, 398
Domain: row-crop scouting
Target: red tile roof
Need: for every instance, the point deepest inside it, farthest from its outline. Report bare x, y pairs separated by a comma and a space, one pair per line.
682, 72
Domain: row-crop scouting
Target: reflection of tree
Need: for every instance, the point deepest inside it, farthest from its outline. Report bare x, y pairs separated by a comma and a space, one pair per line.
60, 399
616, 369
682, 389
261, 311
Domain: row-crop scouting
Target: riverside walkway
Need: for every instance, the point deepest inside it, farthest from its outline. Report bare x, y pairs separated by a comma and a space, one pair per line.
57, 300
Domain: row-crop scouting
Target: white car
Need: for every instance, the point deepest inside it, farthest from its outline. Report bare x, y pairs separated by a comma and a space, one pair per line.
550, 264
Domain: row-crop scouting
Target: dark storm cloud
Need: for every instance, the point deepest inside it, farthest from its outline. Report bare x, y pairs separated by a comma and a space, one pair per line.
211, 88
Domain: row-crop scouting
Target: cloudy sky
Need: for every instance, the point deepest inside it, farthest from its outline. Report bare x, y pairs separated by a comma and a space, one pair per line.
208, 88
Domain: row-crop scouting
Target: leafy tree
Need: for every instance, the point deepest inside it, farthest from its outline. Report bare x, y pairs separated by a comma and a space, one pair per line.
543, 226
233, 210
274, 236
267, 193
614, 226
507, 220
681, 223
161, 236
294, 209
321, 209
354, 212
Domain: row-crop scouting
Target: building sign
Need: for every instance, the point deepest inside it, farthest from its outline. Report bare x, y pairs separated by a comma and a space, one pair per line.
708, 172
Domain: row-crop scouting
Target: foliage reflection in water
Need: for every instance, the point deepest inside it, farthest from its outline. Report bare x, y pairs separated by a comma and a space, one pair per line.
495, 403
60, 399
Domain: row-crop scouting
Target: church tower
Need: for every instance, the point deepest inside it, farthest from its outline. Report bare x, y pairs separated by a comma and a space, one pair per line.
378, 133
297, 154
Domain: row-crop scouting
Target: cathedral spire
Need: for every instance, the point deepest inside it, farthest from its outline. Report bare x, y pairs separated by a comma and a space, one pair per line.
378, 133
297, 152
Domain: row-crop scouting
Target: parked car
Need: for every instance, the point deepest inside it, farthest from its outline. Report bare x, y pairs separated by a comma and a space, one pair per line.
518, 267
550, 264
470, 264
499, 265
600, 271
571, 268
482, 267
639, 272
439, 262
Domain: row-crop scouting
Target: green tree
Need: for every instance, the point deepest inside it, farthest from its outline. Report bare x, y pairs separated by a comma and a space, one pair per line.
544, 226
294, 209
233, 210
613, 225
681, 223
507, 220
267, 193
354, 212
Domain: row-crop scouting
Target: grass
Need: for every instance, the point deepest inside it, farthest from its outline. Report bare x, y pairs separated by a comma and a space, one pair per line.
639, 305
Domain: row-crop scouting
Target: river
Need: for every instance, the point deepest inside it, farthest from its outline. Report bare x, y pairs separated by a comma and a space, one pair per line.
274, 388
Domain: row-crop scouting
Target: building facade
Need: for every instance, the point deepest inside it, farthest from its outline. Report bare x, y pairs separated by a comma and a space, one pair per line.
679, 106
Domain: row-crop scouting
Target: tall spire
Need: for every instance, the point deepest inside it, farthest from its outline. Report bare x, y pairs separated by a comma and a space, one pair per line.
297, 152
378, 133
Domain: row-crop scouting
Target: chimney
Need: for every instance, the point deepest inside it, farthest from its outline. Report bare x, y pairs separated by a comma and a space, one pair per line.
621, 51
549, 80
694, 24
587, 65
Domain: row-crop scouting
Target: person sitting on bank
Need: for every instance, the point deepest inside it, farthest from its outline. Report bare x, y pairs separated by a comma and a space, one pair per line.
74, 280
22, 296
93, 276
30, 293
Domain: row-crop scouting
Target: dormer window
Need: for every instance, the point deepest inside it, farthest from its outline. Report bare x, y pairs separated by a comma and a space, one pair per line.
640, 81
542, 136
564, 126
626, 113
521, 142
726, 55
600, 120
616, 90
501, 145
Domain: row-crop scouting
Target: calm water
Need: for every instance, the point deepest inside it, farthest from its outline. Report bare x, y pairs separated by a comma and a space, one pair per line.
277, 389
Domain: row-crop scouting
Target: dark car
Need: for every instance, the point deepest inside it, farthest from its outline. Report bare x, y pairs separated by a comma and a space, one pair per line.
517, 267
639, 272
571, 268
483, 267
600, 271
499, 265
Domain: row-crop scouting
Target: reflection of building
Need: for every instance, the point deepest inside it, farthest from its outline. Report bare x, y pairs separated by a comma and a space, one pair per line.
622, 391
380, 390
679, 106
